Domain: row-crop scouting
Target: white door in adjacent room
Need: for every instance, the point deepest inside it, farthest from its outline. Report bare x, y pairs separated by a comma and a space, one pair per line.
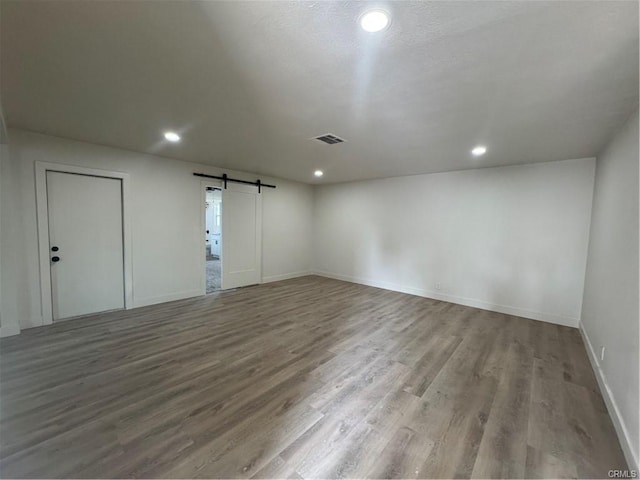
242, 232
85, 244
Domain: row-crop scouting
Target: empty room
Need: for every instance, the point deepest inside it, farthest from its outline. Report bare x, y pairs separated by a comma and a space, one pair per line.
319, 239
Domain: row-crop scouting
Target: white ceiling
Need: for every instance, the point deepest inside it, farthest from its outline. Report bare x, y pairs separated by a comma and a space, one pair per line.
248, 83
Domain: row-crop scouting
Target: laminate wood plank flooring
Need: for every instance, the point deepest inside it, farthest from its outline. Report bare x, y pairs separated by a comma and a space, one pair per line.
304, 378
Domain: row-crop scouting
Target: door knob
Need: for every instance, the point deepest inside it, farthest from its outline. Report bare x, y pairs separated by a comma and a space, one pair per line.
54, 249
55, 259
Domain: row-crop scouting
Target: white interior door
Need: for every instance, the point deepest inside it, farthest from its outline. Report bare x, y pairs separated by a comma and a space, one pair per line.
241, 236
85, 244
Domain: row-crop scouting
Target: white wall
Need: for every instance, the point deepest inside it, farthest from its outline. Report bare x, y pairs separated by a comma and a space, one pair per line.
510, 239
610, 312
166, 207
287, 227
13, 296
213, 214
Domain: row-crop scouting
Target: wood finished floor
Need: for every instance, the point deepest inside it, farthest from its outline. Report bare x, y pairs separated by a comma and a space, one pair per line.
311, 378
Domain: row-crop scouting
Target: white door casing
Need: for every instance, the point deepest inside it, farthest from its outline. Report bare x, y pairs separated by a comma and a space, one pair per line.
242, 236
45, 254
85, 225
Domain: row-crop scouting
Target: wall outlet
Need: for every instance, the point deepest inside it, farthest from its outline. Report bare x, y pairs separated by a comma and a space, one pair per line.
601, 354
438, 286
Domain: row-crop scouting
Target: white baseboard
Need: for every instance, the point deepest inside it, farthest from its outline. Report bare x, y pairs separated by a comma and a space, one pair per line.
612, 406
32, 322
144, 302
285, 276
469, 302
9, 330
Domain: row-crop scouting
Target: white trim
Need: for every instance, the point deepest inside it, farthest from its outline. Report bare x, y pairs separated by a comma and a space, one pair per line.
143, 302
4, 134
203, 226
469, 302
9, 330
285, 276
41, 169
612, 406
31, 322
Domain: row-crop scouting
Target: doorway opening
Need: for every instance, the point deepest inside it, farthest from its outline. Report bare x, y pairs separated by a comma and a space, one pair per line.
213, 238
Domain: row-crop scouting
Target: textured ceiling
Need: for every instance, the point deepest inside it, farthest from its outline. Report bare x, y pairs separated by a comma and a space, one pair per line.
249, 83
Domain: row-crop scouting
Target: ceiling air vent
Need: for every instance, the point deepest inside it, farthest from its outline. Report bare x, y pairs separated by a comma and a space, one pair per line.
329, 139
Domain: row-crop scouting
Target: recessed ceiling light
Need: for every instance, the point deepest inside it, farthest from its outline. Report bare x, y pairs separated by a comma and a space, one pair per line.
374, 21
172, 136
479, 150
318, 173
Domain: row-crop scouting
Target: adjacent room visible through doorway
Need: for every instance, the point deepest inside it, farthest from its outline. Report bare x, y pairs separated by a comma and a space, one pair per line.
213, 243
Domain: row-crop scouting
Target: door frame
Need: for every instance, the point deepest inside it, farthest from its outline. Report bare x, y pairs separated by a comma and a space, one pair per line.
42, 212
203, 227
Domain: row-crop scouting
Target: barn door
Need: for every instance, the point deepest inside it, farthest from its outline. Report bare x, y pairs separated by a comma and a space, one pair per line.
241, 236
